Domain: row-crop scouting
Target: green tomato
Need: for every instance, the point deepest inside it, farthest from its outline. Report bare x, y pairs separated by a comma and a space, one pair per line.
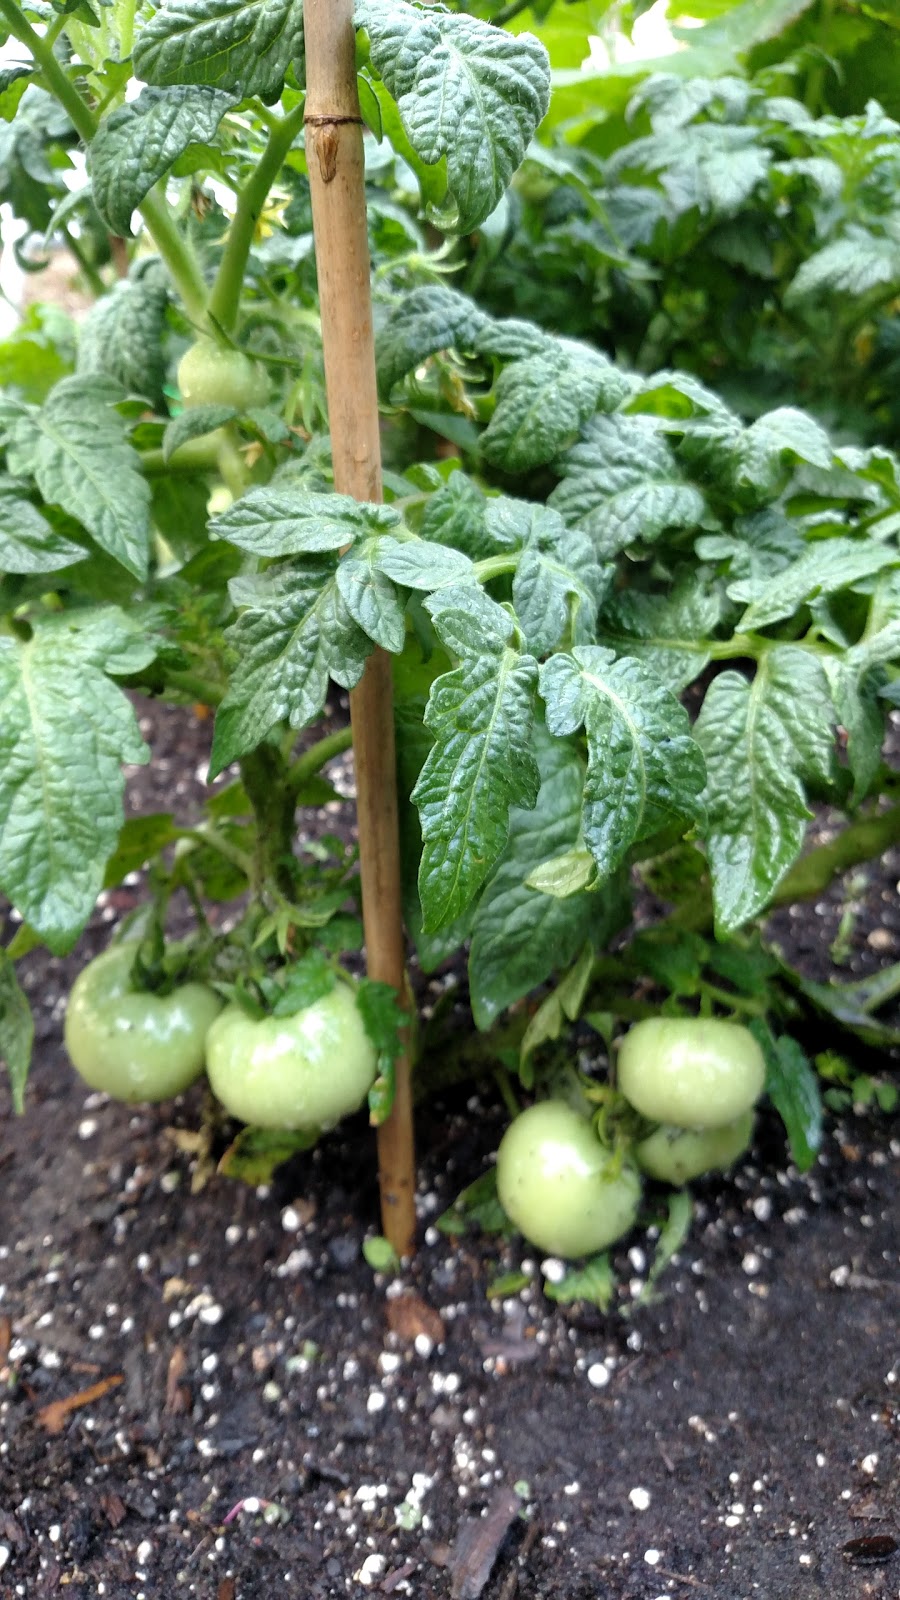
302, 1072
676, 1155
561, 1187
133, 1045
212, 375
693, 1072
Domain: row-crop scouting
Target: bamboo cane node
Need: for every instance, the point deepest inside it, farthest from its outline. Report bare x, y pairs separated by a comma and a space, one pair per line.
326, 141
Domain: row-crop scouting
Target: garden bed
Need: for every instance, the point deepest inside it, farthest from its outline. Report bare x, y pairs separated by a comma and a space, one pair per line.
736, 1437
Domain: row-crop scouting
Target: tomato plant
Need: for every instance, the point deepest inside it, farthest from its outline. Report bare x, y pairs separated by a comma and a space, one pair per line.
131, 1043
565, 1191
644, 619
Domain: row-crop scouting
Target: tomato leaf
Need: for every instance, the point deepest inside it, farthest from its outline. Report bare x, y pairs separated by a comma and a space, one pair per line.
139, 841
303, 983
477, 1207
669, 631
850, 267
278, 521
422, 323
766, 446
75, 448
384, 1021
563, 1004
558, 582
672, 1236
762, 741
28, 542
257, 1153
421, 564
466, 92
644, 768
245, 46
370, 597
520, 936
137, 145
16, 1032
380, 1255
294, 633
121, 336
480, 716
621, 483
824, 568
193, 424
455, 515
793, 1088
543, 400
61, 781
595, 1283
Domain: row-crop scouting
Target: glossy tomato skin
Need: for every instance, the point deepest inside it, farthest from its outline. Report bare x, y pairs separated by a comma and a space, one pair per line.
302, 1072
565, 1192
212, 375
135, 1046
676, 1155
693, 1072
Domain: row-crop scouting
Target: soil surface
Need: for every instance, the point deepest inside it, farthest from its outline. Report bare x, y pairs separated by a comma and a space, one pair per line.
212, 1394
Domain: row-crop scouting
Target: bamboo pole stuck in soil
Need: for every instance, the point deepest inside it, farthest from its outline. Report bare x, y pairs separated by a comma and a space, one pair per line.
334, 147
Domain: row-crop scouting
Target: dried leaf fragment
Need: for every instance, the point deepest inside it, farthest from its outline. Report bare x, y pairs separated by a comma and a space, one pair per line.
408, 1316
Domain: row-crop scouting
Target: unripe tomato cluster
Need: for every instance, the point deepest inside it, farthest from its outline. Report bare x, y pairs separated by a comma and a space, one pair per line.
566, 1191
301, 1072
698, 1079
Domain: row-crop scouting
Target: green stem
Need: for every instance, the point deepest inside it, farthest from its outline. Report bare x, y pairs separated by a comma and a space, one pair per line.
54, 29
162, 683
863, 840
86, 268
208, 836
231, 464
313, 759
496, 566
41, 50
507, 1095
264, 776
125, 20
175, 251
202, 690
225, 299
734, 1002
184, 268
507, 12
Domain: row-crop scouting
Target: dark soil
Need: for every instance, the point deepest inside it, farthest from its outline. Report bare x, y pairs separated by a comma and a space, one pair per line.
281, 1421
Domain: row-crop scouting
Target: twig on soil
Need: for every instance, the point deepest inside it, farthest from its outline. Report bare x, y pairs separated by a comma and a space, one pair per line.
54, 1417
681, 1577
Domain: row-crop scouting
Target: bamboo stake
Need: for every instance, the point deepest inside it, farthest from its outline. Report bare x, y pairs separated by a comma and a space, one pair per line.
334, 148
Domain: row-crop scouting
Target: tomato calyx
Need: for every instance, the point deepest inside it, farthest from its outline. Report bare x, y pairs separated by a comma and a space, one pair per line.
303, 1069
